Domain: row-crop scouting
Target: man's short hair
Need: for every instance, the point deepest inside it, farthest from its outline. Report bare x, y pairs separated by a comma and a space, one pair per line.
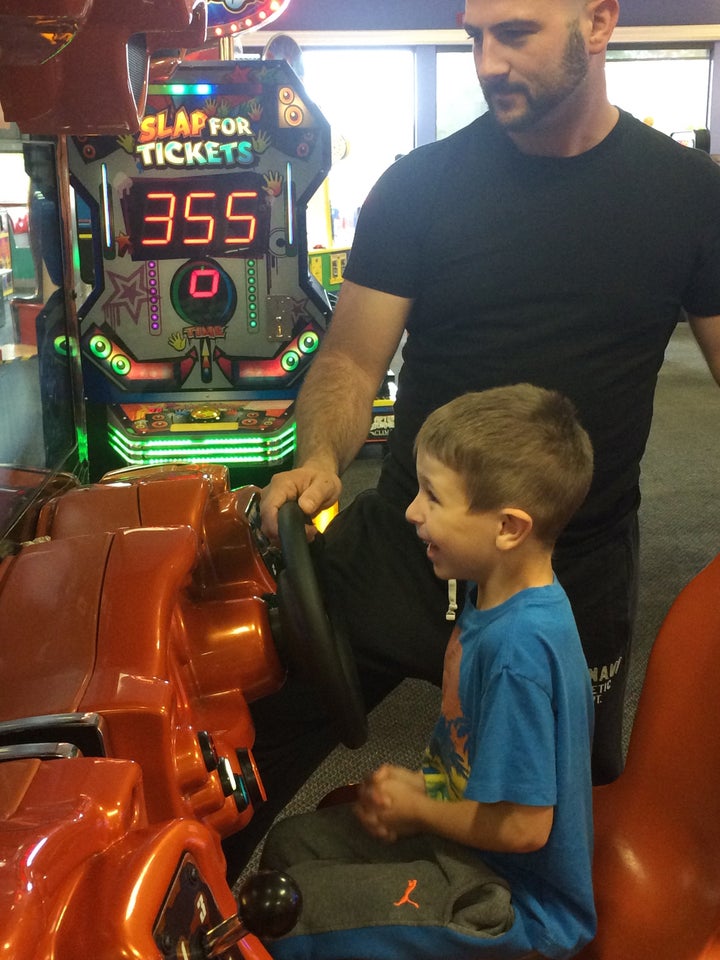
518, 446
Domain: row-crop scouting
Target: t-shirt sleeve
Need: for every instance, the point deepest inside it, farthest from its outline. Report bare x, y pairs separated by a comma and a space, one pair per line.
385, 253
513, 757
702, 296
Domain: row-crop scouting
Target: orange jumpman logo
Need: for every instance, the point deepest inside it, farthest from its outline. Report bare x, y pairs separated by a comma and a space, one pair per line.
405, 898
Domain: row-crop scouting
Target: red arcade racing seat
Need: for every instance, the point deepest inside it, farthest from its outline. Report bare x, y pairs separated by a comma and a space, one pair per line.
657, 840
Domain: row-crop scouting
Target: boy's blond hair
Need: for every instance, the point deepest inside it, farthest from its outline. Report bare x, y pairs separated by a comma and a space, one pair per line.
519, 446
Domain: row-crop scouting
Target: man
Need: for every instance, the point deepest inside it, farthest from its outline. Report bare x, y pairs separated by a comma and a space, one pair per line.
557, 241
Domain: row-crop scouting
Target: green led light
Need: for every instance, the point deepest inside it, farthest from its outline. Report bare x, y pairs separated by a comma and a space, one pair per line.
290, 361
249, 450
309, 342
247, 442
60, 345
120, 365
178, 89
82, 442
100, 346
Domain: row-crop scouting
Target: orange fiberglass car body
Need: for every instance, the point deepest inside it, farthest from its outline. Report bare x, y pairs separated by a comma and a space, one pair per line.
138, 623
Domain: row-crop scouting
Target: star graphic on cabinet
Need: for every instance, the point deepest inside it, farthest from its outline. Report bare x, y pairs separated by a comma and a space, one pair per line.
129, 292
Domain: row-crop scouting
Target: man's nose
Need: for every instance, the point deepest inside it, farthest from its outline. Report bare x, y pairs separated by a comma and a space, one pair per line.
490, 58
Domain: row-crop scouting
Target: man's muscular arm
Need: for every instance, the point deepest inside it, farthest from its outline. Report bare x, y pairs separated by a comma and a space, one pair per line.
706, 331
334, 408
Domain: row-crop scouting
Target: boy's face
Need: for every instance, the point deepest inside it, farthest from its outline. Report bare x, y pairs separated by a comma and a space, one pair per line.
460, 543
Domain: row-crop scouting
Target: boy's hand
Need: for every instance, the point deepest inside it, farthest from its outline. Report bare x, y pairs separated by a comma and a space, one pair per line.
387, 801
392, 802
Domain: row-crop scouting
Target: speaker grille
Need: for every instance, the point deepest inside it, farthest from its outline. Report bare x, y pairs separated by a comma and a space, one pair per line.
138, 60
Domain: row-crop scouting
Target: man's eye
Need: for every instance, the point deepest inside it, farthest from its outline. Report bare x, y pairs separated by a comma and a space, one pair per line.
513, 38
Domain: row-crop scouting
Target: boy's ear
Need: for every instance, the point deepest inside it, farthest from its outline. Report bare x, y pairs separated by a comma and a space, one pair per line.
515, 527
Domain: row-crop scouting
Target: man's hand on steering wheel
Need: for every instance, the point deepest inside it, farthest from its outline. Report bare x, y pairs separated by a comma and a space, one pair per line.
314, 487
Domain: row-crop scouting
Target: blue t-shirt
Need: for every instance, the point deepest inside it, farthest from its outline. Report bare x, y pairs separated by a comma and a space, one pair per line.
516, 726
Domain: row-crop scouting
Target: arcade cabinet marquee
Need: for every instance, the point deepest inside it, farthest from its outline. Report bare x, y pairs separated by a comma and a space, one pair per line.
201, 315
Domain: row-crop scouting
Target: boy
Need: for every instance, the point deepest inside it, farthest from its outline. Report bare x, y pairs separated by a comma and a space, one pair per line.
485, 852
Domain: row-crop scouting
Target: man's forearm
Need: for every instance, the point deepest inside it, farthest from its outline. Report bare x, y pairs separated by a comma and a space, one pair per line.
333, 412
707, 333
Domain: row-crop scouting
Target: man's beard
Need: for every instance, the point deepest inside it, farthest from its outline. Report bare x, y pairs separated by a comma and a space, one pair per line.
549, 94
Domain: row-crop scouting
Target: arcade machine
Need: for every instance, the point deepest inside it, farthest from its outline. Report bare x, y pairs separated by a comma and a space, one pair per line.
60, 63
201, 314
697, 139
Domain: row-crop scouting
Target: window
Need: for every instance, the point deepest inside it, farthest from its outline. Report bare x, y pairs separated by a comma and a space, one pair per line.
666, 87
368, 97
459, 99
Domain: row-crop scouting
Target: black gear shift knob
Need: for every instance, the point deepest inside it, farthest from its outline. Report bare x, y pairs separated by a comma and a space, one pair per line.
269, 905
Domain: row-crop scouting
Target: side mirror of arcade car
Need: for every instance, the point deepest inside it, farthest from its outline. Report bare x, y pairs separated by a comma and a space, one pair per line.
97, 82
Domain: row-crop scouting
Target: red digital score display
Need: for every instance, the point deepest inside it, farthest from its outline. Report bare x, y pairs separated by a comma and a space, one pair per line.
225, 215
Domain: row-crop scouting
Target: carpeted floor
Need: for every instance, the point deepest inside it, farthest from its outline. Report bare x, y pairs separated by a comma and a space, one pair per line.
680, 533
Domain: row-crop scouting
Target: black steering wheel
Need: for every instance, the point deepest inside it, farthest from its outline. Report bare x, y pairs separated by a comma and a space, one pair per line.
313, 638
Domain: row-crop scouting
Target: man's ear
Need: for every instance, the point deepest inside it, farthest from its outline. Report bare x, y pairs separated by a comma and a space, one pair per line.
604, 17
515, 527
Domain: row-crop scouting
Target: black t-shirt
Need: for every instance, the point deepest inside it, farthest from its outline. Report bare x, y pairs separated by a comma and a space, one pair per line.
569, 273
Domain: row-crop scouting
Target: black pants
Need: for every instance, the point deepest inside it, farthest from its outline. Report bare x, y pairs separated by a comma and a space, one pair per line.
395, 608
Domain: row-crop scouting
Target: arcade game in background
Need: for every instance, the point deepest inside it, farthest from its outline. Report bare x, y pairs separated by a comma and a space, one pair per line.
42, 437
200, 314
